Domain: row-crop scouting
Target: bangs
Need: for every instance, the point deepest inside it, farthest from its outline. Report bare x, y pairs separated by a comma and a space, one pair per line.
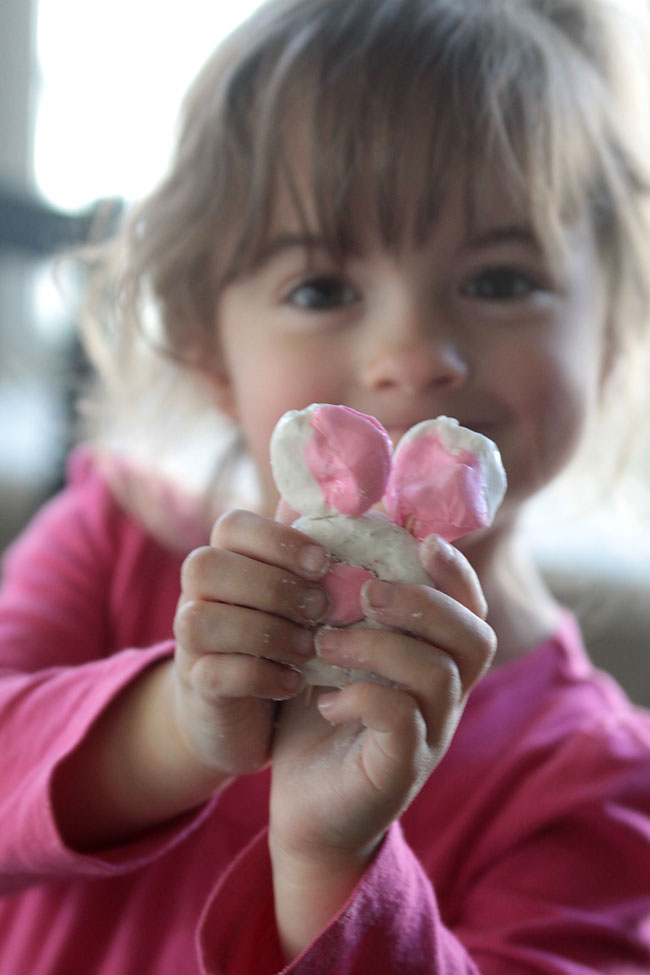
364, 130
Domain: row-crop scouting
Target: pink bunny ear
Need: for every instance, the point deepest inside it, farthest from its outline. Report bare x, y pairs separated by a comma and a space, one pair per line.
441, 485
349, 455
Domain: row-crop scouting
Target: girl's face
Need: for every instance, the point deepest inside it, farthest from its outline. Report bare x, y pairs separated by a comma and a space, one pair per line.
475, 325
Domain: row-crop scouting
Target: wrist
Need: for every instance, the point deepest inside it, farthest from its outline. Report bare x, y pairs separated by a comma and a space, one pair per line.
311, 889
307, 868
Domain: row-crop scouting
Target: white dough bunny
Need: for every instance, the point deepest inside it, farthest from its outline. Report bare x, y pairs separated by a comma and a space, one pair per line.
332, 464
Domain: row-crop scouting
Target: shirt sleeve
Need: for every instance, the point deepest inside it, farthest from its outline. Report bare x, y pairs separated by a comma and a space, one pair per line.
390, 925
58, 673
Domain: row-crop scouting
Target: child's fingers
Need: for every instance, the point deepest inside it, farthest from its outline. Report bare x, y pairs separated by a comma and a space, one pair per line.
436, 618
221, 576
399, 752
381, 709
204, 628
243, 623
429, 677
397, 658
225, 652
452, 574
270, 541
219, 676
425, 670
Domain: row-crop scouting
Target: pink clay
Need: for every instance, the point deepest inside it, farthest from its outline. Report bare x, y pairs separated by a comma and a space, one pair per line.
343, 585
432, 489
349, 455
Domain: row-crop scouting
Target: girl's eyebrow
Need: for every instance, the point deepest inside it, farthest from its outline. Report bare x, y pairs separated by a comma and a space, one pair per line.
288, 241
507, 234
513, 233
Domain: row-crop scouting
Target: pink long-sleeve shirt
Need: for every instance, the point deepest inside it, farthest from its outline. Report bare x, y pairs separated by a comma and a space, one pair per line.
528, 851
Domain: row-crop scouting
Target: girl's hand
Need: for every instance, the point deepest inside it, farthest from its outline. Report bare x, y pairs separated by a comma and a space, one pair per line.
349, 764
244, 625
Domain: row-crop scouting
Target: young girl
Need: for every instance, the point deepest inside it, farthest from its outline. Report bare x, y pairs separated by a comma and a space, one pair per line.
412, 207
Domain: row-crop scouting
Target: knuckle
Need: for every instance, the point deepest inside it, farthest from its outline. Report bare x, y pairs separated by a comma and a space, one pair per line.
276, 633
408, 719
446, 679
489, 639
477, 600
477, 603
195, 568
298, 600
189, 625
209, 677
285, 591
230, 524
489, 644
217, 677
482, 647
407, 711
483, 640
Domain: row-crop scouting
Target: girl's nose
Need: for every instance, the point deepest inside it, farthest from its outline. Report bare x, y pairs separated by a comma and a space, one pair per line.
414, 358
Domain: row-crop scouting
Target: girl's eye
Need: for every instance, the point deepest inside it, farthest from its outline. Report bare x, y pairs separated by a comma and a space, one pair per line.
500, 284
323, 292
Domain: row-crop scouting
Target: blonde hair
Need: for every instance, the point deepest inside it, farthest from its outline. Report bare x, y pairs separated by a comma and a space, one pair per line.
387, 99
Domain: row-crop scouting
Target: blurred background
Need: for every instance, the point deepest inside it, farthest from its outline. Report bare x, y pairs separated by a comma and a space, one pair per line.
89, 92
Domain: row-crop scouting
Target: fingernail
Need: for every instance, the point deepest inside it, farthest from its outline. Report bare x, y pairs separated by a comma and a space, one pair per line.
436, 547
444, 550
326, 702
313, 559
378, 593
313, 604
327, 640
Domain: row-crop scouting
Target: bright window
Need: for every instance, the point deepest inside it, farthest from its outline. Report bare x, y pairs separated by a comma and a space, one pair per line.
112, 74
